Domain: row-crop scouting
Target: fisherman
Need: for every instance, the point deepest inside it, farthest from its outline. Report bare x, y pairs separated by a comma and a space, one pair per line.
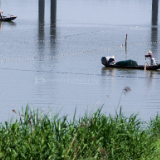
150, 55
1, 14
110, 60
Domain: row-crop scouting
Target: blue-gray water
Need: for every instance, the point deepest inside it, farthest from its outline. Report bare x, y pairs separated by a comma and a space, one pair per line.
59, 67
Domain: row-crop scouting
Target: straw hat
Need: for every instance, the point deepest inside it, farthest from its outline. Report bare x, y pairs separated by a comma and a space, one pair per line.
149, 52
112, 56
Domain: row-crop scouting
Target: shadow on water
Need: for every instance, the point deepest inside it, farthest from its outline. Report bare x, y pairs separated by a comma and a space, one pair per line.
154, 26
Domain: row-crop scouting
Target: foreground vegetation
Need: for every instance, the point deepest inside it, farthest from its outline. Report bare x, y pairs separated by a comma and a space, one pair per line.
38, 136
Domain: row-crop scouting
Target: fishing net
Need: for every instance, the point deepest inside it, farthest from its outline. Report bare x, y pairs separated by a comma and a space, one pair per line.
127, 63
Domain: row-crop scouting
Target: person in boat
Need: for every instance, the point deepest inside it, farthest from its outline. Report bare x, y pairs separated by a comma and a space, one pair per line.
1, 14
152, 59
110, 60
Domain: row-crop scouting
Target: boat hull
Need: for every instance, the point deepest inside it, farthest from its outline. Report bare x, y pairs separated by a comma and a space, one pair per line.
153, 67
8, 18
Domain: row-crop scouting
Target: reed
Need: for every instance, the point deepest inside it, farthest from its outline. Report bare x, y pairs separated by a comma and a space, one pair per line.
39, 136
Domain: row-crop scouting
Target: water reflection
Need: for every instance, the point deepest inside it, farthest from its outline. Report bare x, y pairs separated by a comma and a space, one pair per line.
52, 40
107, 71
41, 23
154, 27
1, 25
53, 27
7, 24
41, 26
11, 23
109, 79
120, 71
150, 76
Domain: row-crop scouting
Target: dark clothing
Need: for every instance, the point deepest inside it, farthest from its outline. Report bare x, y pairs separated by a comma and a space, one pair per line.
111, 60
153, 62
149, 55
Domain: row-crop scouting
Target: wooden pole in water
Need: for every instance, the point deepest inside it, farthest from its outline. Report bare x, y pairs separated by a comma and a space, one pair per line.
154, 12
41, 11
126, 43
53, 12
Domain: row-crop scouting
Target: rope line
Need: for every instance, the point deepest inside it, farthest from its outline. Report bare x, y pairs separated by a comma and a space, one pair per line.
72, 54
85, 33
65, 37
40, 26
58, 56
54, 25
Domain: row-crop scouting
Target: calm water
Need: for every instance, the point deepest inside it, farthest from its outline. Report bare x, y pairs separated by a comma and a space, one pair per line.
60, 68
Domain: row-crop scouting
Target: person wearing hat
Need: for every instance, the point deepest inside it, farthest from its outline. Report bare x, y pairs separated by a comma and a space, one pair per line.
150, 55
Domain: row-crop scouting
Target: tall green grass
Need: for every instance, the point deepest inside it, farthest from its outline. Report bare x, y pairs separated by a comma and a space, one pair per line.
97, 136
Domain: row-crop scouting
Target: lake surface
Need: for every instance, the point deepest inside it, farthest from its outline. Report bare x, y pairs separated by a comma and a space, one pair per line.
59, 67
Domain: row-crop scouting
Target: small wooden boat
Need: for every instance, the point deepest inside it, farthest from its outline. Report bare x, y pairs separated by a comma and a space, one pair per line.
142, 67
154, 67
5, 18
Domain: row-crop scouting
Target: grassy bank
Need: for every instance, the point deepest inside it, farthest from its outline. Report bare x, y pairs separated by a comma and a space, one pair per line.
38, 136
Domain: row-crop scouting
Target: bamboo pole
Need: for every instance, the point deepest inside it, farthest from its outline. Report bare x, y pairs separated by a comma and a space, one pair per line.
126, 43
